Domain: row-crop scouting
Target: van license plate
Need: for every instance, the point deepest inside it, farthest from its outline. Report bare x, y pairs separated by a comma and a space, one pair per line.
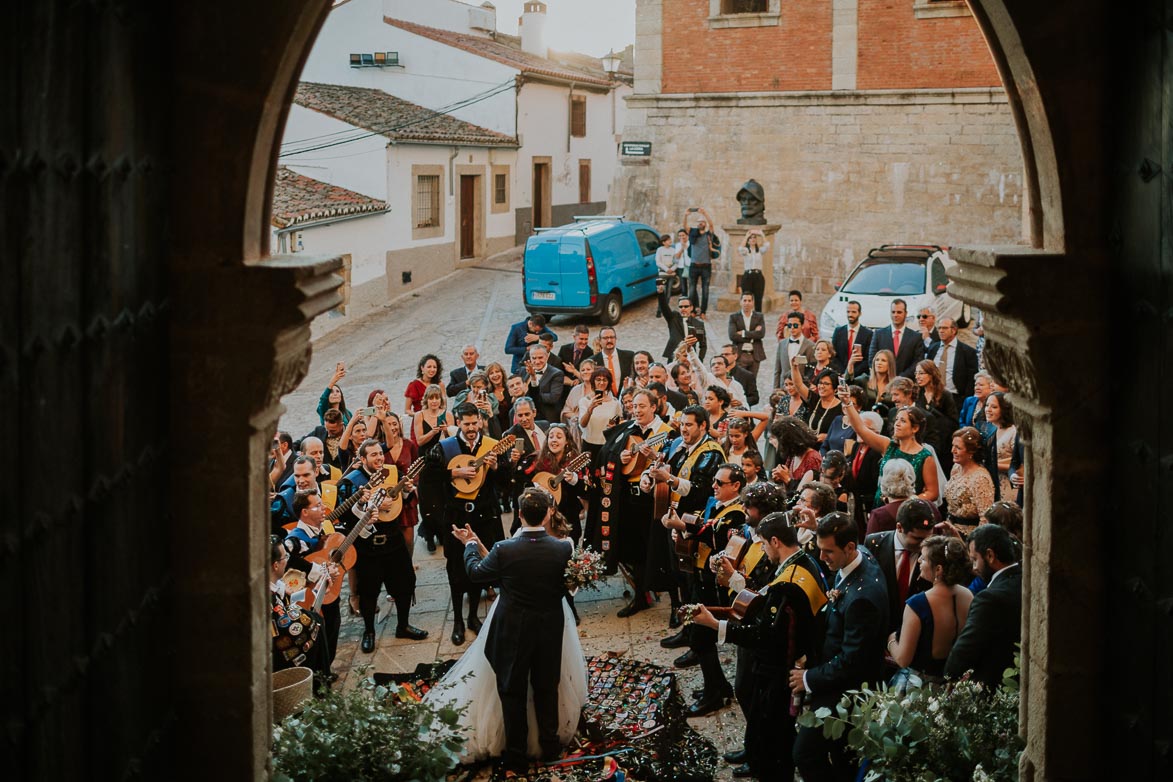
543, 295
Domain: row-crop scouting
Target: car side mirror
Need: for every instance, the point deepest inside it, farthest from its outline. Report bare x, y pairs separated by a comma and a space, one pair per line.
939, 289
838, 285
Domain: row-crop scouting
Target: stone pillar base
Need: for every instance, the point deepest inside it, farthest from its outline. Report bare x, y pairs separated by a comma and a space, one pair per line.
729, 299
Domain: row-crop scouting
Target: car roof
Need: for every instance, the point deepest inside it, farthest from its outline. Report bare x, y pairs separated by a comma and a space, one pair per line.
905, 252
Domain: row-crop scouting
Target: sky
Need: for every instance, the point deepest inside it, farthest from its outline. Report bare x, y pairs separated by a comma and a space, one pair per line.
584, 26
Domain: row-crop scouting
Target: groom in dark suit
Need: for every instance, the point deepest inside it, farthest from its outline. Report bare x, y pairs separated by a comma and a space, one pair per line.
524, 645
853, 647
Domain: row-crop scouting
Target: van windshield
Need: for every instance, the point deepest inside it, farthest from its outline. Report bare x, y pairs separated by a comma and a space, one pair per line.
880, 276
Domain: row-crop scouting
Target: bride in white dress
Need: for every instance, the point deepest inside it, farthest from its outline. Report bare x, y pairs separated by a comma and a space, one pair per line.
472, 683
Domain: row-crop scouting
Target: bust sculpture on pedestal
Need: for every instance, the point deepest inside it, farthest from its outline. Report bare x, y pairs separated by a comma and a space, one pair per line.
752, 198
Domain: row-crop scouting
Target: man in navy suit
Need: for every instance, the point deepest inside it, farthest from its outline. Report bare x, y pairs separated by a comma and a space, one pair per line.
901, 340
524, 645
853, 647
994, 625
458, 378
897, 552
849, 337
521, 336
545, 383
958, 361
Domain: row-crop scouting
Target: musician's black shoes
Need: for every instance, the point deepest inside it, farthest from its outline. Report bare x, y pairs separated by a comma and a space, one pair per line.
687, 660
674, 618
474, 624
708, 705
412, 632
632, 608
743, 771
368, 641
736, 756
675, 641
457, 636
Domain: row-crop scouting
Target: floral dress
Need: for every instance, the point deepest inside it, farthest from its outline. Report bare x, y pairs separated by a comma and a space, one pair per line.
1006, 438
968, 494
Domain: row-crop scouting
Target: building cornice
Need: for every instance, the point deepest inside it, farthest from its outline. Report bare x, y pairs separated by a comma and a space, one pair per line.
722, 100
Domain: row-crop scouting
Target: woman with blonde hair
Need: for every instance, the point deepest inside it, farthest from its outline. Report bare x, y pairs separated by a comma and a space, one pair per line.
876, 381
428, 427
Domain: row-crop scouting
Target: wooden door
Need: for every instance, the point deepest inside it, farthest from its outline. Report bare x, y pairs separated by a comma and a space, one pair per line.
541, 205
467, 216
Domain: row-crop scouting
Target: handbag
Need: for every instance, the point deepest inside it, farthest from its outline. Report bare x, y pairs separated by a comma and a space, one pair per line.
714, 247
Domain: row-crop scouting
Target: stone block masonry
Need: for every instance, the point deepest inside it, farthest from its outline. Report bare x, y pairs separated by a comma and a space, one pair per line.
843, 171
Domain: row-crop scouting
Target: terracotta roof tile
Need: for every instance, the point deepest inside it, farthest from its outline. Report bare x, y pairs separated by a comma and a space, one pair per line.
300, 199
393, 117
509, 53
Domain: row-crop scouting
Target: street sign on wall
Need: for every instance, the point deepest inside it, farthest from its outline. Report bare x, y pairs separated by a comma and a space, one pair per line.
636, 148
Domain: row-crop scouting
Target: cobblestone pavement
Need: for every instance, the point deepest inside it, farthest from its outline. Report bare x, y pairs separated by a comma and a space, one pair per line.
478, 305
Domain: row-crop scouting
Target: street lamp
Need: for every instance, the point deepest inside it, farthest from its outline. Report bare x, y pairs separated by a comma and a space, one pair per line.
611, 62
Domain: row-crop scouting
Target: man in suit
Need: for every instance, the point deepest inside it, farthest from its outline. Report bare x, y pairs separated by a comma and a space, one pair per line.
747, 329
897, 553
782, 632
794, 344
847, 338
958, 361
748, 380
994, 625
521, 336
907, 344
853, 646
524, 646
572, 355
545, 383
617, 362
458, 378
683, 324
926, 324
530, 432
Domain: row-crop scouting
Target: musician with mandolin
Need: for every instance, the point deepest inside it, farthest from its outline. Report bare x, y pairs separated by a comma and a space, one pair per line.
383, 557
779, 634
699, 538
469, 458
627, 512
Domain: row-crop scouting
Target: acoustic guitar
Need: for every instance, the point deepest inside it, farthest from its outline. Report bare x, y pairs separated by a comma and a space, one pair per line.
553, 483
379, 476
472, 485
639, 462
747, 605
395, 493
339, 549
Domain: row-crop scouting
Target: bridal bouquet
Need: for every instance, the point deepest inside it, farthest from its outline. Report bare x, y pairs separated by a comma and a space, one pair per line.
584, 570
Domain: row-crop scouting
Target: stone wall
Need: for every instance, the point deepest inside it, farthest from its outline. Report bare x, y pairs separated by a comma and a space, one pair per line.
843, 171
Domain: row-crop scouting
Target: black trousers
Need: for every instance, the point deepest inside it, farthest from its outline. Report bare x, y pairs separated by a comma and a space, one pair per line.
703, 640
769, 728
536, 661
820, 759
754, 282
384, 562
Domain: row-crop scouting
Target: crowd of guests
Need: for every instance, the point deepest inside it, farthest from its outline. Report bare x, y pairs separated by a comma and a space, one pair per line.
870, 498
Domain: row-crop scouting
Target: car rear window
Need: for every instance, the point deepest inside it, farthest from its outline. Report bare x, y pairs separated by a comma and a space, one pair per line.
880, 276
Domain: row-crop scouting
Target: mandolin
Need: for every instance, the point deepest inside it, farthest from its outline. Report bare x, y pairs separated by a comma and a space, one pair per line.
553, 483
639, 462
747, 605
470, 486
395, 493
339, 549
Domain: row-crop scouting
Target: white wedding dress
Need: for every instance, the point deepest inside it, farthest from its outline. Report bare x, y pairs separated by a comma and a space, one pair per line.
472, 683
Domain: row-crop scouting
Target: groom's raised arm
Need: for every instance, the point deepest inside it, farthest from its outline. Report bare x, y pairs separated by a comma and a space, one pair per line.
485, 570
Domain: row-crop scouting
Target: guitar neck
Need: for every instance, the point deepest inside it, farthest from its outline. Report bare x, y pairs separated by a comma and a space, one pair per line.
343, 507
353, 534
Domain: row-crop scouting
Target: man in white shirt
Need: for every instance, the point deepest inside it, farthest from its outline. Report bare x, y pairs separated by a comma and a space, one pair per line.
793, 344
957, 361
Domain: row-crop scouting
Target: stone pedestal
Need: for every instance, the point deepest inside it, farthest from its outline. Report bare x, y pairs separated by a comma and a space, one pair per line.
724, 287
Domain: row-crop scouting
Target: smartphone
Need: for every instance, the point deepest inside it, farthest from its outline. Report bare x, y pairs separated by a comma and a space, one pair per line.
694, 209
367, 411
800, 360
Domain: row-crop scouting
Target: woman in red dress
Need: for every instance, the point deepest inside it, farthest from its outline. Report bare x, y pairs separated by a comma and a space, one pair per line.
428, 372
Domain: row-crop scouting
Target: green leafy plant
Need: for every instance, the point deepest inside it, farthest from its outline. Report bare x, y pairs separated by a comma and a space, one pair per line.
956, 731
366, 735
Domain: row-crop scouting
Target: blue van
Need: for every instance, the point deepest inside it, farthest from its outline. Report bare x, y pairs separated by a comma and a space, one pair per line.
593, 266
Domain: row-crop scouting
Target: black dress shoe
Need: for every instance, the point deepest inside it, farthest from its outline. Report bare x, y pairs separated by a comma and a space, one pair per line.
736, 756
674, 619
687, 660
674, 641
412, 632
743, 771
698, 694
475, 624
431, 546
632, 608
457, 636
368, 641
707, 705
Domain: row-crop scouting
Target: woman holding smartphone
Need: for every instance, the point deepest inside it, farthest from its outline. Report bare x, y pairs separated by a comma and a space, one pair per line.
595, 412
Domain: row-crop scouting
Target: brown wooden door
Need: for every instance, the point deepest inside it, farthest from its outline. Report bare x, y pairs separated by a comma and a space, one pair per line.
541, 179
467, 213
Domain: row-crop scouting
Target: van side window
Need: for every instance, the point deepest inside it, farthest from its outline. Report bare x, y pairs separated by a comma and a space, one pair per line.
938, 274
649, 242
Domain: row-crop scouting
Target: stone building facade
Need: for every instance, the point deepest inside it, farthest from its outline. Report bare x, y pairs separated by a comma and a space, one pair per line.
867, 122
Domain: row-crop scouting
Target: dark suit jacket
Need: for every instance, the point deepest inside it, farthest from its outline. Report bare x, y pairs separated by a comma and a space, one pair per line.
529, 569
516, 346
857, 631
566, 354
883, 546
625, 359
458, 380
749, 381
677, 331
965, 366
863, 338
912, 349
755, 332
994, 625
549, 395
